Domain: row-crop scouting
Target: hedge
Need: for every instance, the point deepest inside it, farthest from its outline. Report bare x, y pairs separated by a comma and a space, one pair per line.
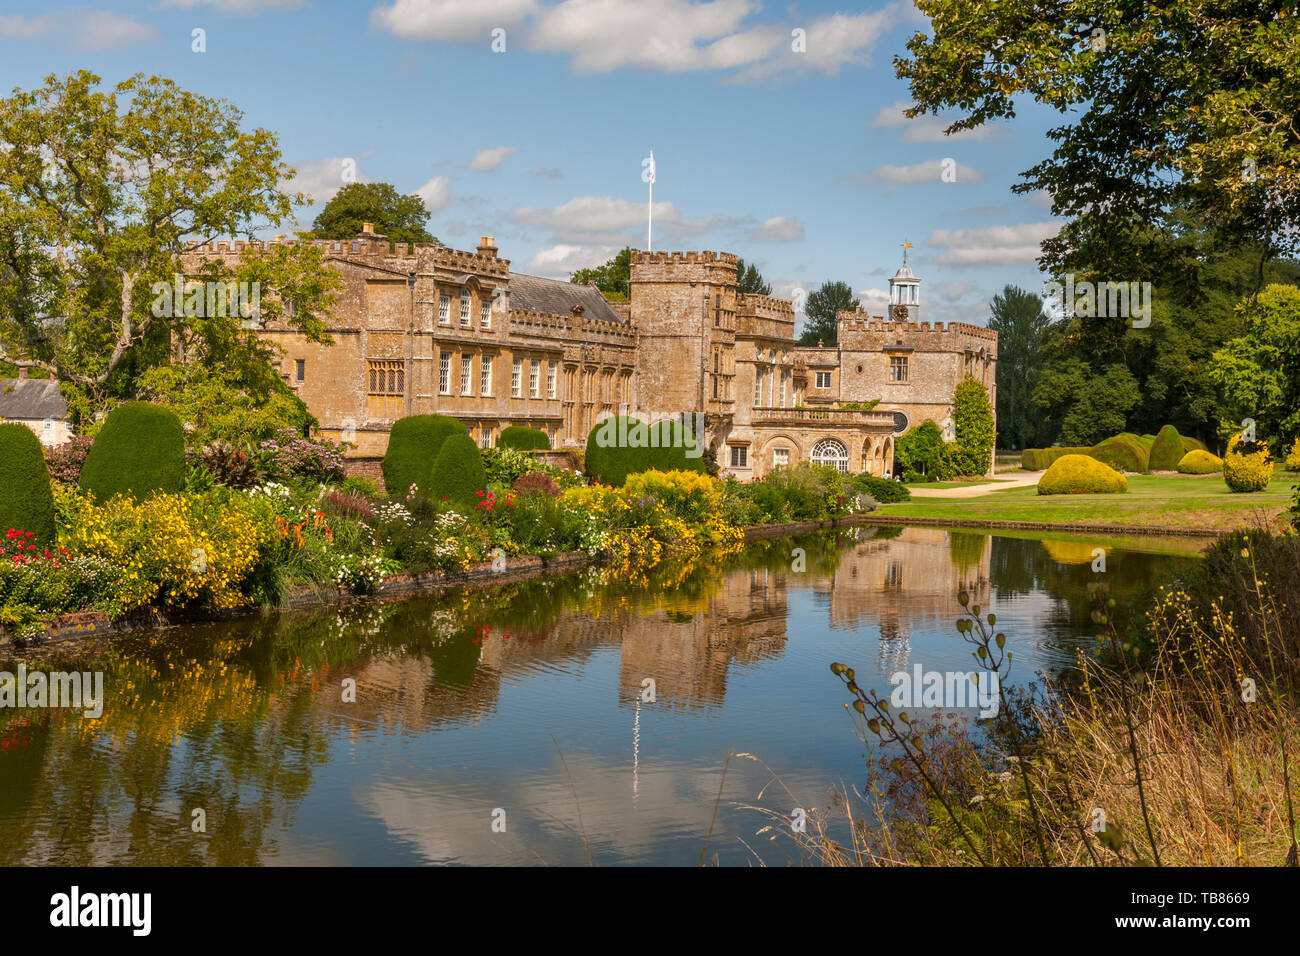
882, 489
1040, 459
1192, 444
522, 438
27, 503
621, 445
139, 452
1199, 462
1124, 452
1081, 474
1246, 466
1167, 450
413, 446
458, 472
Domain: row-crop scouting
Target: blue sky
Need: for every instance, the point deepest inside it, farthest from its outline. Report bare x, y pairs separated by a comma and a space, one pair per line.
798, 160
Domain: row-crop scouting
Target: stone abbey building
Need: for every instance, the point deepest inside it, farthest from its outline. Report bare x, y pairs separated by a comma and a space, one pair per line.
428, 329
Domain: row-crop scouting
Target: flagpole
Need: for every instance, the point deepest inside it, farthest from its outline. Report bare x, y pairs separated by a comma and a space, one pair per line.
650, 208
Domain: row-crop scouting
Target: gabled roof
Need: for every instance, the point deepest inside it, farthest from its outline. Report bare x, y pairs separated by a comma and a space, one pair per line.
31, 400
535, 294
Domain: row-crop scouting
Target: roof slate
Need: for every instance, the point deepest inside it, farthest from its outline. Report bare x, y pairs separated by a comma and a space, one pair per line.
535, 294
31, 400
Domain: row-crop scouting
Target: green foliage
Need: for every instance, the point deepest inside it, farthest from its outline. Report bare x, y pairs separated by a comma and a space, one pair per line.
922, 455
224, 403
972, 417
1082, 405
1199, 462
1247, 466
99, 191
1040, 459
1258, 372
413, 445
1192, 444
139, 452
1200, 85
622, 446
1021, 323
400, 217
26, 504
882, 489
611, 278
523, 439
821, 311
458, 472
1166, 451
802, 492
1080, 474
749, 281
1123, 452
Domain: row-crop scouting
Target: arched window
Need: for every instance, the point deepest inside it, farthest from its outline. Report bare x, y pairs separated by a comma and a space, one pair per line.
829, 451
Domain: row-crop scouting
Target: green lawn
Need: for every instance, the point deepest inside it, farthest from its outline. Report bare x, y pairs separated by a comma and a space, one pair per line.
1151, 501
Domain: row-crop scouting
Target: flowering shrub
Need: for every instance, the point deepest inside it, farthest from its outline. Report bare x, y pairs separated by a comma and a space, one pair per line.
289, 456
1246, 466
229, 465
536, 482
65, 461
37, 584
175, 550
361, 572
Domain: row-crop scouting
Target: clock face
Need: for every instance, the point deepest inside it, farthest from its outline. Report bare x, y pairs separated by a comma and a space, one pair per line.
899, 312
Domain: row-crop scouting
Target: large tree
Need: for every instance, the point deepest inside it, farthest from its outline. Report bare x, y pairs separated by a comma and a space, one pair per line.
821, 324
610, 278
1259, 371
99, 192
1182, 104
400, 218
1021, 322
749, 280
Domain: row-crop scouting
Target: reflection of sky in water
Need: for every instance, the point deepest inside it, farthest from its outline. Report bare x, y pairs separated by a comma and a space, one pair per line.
544, 724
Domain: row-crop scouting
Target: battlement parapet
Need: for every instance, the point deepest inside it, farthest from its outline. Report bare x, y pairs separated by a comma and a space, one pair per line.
683, 258
766, 306
860, 321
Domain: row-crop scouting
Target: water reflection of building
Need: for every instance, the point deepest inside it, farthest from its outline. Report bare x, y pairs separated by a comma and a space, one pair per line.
913, 579
688, 652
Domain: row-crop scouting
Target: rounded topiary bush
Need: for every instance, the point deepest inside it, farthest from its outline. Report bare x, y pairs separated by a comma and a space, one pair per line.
458, 472
26, 503
413, 445
1123, 452
617, 447
139, 452
1080, 474
673, 448
1193, 444
1292, 462
1166, 450
1246, 466
523, 439
1199, 462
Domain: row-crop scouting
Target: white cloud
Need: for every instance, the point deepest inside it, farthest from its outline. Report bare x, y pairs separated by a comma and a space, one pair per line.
873, 299
586, 216
560, 260
931, 171
1040, 198
450, 21
240, 7
320, 179
85, 31
993, 246
928, 128
777, 229
436, 193
599, 36
486, 160
954, 290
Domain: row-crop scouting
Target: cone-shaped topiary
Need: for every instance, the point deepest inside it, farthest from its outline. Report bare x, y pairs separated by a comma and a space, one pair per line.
413, 446
139, 452
1166, 450
1080, 474
458, 472
1246, 466
523, 439
1199, 462
26, 503
617, 447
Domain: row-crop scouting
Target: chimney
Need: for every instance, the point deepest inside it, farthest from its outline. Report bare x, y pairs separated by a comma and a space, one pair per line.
487, 246
368, 228
22, 374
